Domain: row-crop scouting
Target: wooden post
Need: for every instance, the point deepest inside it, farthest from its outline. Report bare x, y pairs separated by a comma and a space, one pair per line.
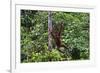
49, 32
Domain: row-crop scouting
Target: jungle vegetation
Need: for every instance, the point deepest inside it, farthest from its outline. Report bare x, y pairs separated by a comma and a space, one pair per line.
54, 36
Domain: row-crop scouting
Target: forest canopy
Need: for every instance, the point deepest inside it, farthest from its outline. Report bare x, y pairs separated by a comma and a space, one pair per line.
34, 36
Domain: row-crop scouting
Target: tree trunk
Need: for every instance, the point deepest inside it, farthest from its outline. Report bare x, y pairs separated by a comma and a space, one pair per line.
49, 32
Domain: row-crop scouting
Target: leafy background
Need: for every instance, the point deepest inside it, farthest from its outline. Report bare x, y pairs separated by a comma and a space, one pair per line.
34, 36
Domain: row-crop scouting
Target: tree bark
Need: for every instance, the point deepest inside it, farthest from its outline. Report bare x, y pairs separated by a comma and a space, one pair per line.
49, 32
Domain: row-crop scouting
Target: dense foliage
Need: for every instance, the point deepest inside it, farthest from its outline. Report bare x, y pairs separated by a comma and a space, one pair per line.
34, 36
